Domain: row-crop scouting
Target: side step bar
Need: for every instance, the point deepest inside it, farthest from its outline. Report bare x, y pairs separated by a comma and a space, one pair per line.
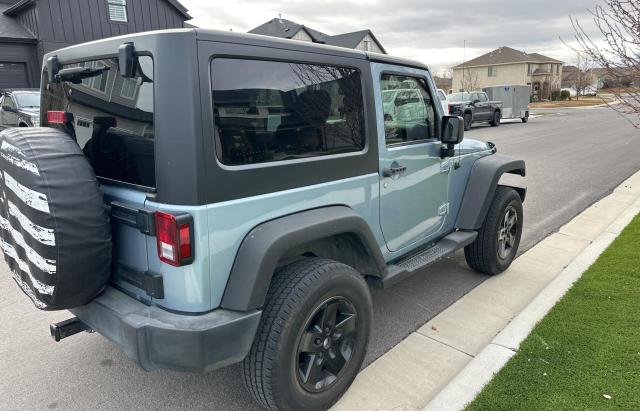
407, 266
67, 328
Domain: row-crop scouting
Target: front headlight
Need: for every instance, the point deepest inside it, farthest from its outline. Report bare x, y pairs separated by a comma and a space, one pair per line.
35, 120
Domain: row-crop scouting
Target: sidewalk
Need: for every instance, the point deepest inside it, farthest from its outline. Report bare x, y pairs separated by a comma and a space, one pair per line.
463, 337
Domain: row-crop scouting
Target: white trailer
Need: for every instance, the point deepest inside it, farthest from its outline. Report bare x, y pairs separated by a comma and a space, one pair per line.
515, 100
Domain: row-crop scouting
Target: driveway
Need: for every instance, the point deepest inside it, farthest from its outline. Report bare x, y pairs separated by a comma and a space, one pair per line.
574, 158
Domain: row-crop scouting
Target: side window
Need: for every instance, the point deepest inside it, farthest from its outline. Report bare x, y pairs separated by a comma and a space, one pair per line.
8, 101
483, 97
408, 109
475, 97
268, 111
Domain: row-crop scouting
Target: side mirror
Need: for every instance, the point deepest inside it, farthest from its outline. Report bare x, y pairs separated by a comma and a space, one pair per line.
452, 133
476, 101
53, 67
6, 108
127, 60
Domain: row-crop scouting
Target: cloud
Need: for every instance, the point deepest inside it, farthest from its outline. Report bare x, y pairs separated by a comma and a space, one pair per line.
432, 31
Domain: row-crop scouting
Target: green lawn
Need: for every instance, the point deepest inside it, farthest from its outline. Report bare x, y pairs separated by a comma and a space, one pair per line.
587, 347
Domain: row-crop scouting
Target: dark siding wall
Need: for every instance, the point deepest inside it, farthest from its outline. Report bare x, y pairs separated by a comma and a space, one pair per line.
22, 53
29, 19
66, 22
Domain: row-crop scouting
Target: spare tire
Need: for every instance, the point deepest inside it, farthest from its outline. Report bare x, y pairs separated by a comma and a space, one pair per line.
55, 231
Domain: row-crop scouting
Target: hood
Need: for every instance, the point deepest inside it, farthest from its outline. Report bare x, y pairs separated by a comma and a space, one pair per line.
32, 112
469, 146
459, 102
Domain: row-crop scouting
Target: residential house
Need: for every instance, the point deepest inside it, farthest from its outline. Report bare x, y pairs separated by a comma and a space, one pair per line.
618, 77
508, 66
363, 40
31, 28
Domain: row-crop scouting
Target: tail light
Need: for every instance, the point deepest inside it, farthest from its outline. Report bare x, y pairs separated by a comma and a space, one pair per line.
174, 235
59, 117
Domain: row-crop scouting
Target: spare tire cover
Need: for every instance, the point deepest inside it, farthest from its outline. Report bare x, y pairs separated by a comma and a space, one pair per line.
56, 235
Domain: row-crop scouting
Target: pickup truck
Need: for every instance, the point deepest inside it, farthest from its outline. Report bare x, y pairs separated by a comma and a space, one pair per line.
475, 107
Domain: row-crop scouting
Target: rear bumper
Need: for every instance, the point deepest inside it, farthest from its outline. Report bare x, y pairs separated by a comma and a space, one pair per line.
155, 338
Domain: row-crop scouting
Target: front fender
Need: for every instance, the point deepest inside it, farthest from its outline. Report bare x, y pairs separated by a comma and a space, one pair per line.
481, 187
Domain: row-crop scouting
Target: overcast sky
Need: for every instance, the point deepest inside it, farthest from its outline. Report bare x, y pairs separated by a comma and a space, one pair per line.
432, 31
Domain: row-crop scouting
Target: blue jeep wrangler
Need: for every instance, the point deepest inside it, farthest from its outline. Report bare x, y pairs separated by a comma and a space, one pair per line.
204, 198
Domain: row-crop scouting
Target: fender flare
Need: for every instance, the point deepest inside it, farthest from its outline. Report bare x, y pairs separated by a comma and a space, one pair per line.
481, 187
259, 253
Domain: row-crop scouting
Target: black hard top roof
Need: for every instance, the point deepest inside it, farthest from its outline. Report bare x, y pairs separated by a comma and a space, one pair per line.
252, 40
297, 45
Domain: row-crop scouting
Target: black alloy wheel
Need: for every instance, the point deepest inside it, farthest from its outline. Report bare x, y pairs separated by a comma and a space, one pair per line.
326, 344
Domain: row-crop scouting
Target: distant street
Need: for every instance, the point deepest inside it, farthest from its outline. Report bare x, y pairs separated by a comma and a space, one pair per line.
574, 157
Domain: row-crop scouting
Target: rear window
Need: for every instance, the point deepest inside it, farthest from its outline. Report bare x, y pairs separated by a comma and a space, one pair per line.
267, 111
112, 119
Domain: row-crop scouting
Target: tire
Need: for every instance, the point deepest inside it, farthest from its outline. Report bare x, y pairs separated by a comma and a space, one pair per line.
468, 120
55, 233
495, 119
484, 254
295, 301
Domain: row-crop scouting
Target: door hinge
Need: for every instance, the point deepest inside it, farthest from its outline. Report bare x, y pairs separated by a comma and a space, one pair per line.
443, 209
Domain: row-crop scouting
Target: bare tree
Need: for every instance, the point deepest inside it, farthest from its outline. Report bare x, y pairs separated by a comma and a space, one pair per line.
616, 49
470, 80
582, 78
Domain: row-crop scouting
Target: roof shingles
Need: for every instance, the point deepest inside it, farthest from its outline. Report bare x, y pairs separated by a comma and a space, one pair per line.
10, 29
284, 28
506, 55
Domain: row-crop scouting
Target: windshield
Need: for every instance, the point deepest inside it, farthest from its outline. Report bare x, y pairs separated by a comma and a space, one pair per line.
459, 97
27, 100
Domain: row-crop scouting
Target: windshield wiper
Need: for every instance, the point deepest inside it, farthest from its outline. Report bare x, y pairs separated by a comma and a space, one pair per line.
76, 74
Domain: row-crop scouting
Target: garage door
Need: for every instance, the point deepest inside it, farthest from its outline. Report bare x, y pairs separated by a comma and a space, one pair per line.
13, 75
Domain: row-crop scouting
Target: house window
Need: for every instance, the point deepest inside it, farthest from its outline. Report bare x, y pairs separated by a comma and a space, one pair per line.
129, 88
365, 45
493, 71
529, 69
98, 82
117, 10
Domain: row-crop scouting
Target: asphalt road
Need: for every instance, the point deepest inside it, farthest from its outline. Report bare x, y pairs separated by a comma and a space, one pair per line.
574, 158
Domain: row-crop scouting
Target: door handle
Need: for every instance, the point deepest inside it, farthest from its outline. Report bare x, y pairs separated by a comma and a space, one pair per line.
394, 170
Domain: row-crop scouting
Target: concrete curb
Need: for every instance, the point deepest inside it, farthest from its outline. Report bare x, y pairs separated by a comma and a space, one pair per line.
444, 364
471, 380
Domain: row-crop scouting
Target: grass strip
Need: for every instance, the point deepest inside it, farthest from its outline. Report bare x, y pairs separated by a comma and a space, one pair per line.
585, 354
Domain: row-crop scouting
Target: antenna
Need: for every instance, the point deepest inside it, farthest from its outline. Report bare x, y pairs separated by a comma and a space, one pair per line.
464, 58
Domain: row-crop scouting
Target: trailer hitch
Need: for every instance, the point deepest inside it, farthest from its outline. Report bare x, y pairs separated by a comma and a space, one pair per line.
67, 328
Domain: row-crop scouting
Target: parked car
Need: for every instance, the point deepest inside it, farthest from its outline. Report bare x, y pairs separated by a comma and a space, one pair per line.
475, 107
255, 188
591, 91
443, 100
19, 108
402, 104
